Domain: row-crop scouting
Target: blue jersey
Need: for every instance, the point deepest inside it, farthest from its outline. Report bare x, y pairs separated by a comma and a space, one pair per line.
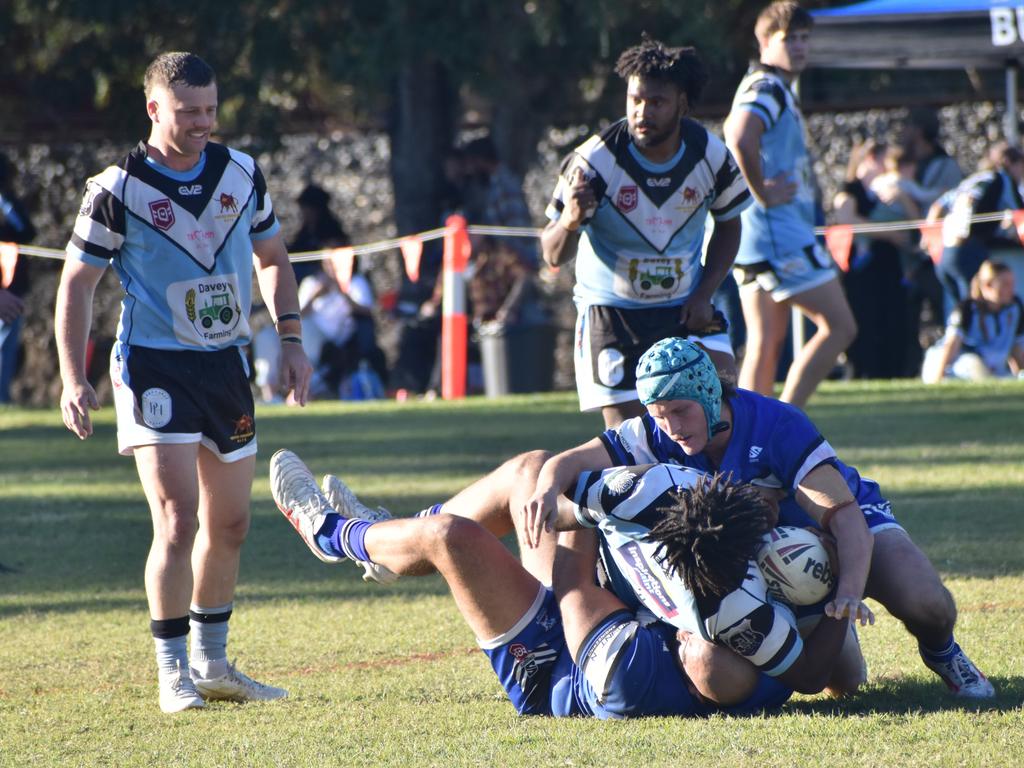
642, 245
992, 336
772, 444
181, 244
780, 231
624, 504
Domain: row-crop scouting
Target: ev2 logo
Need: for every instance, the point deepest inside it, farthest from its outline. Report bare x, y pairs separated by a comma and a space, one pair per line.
190, 190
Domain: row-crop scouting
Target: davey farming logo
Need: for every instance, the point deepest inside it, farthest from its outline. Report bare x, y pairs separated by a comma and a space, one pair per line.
627, 198
162, 213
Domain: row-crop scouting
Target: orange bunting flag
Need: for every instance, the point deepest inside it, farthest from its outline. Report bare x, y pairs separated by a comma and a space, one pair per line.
343, 260
1018, 223
839, 239
8, 263
931, 240
412, 250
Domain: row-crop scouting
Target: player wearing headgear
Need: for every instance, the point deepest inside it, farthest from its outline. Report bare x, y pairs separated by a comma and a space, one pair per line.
684, 539
779, 262
576, 650
631, 205
183, 222
691, 421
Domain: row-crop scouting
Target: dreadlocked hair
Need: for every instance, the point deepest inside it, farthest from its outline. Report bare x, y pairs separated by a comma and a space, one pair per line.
654, 60
711, 533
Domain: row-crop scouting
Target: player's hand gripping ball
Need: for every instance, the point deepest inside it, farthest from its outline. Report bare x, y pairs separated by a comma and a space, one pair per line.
799, 568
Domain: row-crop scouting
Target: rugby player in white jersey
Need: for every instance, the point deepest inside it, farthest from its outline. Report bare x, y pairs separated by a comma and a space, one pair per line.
710, 637
779, 263
631, 205
179, 220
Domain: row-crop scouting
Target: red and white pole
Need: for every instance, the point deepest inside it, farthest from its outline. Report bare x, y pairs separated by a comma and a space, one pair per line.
454, 324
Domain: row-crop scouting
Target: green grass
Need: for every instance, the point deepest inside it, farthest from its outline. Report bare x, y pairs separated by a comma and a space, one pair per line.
389, 675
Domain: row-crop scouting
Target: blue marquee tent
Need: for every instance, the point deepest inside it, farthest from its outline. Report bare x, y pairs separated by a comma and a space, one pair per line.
924, 34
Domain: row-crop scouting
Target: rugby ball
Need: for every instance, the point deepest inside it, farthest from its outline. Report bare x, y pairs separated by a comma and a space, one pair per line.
796, 565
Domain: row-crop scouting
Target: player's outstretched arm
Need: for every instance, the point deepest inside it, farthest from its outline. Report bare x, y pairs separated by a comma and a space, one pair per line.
72, 321
277, 285
559, 473
824, 495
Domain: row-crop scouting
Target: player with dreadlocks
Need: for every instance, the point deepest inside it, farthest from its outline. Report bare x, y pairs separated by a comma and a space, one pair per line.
708, 537
631, 205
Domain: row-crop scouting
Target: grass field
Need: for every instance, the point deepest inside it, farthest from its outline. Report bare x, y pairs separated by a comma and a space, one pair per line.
390, 675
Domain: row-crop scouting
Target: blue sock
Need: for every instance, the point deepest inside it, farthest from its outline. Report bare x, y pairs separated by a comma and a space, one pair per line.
945, 653
434, 509
344, 537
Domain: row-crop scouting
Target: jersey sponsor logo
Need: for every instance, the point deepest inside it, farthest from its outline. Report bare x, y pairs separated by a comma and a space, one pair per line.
755, 451
211, 308
228, 204
620, 483
190, 190
660, 181
156, 407
162, 214
650, 588
689, 198
744, 639
91, 190
627, 198
658, 278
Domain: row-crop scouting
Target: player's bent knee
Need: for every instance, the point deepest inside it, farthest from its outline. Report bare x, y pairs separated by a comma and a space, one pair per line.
448, 535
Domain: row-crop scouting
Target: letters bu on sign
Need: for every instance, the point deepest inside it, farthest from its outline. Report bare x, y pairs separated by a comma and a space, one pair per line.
1007, 25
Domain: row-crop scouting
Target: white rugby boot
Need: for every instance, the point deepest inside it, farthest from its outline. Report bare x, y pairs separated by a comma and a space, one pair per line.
341, 498
297, 496
235, 686
962, 677
178, 691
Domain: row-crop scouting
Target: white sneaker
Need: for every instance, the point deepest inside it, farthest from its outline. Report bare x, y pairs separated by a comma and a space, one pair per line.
235, 686
963, 678
296, 494
178, 692
341, 498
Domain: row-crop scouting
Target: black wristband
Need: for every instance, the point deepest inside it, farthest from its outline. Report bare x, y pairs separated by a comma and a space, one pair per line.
288, 316
291, 339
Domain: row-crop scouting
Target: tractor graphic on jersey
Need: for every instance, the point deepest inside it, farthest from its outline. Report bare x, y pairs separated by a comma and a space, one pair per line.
652, 276
218, 307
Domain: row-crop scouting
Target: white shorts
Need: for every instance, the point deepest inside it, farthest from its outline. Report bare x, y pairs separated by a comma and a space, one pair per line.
787, 276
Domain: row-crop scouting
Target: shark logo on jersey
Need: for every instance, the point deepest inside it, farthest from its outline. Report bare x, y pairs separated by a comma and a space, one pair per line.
627, 198
620, 483
744, 639
161, 212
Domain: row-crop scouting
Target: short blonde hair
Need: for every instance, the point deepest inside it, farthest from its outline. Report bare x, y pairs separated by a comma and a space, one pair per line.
781, 16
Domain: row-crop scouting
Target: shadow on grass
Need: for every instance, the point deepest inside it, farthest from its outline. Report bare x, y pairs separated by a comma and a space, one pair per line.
904, 697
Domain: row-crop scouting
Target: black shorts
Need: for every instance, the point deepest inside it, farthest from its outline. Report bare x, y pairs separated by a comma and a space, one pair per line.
174, 397
610, 341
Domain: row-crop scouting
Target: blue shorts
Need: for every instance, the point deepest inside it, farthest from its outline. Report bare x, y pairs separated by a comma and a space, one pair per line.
532, 661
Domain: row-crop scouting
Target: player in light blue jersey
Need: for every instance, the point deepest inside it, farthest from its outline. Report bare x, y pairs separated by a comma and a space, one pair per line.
779, 263
631, 205
707, 638
180, 219
691, 421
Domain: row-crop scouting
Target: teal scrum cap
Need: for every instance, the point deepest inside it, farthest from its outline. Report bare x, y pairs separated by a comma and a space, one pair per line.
677, 369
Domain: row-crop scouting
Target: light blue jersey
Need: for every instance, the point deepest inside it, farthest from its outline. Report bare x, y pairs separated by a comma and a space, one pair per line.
772, 234
642, 245
181, 244
992, 336
624, 504
773, 444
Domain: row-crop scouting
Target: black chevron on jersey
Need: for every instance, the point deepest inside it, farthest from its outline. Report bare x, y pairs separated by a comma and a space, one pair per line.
217, 159
694, 137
